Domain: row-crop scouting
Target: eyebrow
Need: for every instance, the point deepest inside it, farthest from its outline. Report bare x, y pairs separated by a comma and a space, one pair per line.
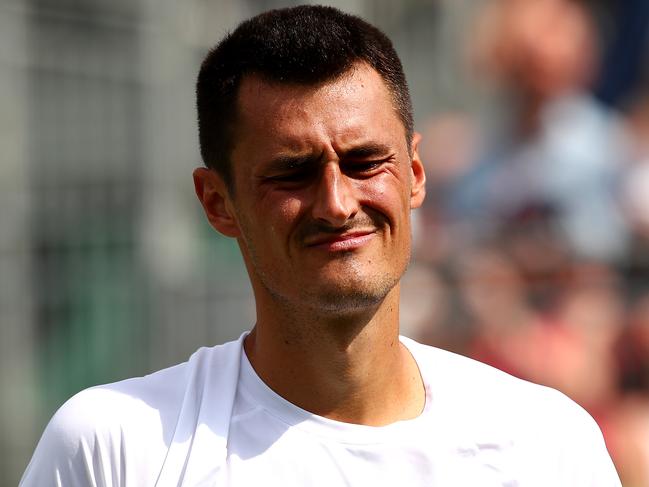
289, 161
367, 150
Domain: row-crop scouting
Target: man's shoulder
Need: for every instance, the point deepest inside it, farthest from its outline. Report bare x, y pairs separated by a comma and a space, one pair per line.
479, 390
444, 367
515, 424
139, 401
129, 401
134, 420
87, 438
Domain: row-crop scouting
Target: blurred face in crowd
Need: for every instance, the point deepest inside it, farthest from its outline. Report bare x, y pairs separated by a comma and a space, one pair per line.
324, 181
543, 48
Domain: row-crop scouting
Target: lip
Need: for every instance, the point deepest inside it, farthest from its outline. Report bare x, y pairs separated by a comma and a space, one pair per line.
341, 242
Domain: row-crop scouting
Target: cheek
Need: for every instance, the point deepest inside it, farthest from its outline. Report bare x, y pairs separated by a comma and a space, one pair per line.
286, 210
281, 215
290, 207
386, 195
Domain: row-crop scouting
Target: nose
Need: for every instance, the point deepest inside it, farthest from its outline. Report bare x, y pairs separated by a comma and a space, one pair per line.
334, 201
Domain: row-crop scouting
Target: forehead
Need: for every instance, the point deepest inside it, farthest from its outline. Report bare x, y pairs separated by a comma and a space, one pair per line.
355, 105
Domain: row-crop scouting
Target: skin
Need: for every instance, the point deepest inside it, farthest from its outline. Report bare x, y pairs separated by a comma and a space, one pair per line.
324, 182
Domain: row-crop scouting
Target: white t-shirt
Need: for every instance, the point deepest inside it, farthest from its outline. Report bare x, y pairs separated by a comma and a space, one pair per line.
213, 422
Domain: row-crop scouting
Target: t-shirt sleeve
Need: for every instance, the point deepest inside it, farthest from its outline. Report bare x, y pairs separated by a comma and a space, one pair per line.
77, 449
585, 461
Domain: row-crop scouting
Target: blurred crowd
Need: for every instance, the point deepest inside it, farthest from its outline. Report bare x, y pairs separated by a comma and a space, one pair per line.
532, 250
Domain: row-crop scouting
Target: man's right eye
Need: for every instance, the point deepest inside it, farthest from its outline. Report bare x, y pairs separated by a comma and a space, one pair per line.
290, 177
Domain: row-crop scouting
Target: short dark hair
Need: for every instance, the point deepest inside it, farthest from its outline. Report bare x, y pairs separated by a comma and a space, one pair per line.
304, 45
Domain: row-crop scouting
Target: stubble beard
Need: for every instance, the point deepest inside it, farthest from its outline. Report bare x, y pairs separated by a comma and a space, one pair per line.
360, 289
356, 291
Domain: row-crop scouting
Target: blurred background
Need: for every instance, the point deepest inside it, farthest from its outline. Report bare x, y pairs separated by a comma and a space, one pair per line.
531, 251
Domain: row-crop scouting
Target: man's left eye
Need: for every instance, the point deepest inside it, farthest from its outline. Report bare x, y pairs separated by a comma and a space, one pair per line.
362, 167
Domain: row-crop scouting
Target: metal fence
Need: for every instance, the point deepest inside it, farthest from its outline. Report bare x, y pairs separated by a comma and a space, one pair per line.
107, 267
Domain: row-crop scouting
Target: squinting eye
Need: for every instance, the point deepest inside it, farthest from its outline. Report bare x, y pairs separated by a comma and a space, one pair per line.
286, 177
362, 167
290, 177
368, 166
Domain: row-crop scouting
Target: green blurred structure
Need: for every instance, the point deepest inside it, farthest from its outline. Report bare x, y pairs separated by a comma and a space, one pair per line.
107, 267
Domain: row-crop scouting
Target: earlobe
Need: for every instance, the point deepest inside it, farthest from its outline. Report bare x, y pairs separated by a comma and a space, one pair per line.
418, 186
213, 194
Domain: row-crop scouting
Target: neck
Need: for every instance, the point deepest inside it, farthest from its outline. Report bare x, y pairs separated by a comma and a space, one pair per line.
348, 367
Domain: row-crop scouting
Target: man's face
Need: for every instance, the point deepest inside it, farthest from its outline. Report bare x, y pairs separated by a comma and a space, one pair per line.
323, 187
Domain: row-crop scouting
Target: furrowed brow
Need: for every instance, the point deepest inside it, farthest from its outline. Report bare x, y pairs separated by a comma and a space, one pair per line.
367, 150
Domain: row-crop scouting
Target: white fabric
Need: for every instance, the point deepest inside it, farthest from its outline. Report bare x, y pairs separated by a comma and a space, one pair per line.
212, 421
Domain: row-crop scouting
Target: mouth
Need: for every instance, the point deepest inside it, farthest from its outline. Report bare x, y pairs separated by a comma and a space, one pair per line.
340, 242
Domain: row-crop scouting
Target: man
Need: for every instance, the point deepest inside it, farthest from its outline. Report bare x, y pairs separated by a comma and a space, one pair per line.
306, 130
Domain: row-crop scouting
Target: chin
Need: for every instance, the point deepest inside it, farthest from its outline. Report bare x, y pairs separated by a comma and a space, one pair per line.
349, 296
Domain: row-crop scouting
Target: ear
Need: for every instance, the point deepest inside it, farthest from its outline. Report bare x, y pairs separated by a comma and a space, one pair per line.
418, 183
213, 194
